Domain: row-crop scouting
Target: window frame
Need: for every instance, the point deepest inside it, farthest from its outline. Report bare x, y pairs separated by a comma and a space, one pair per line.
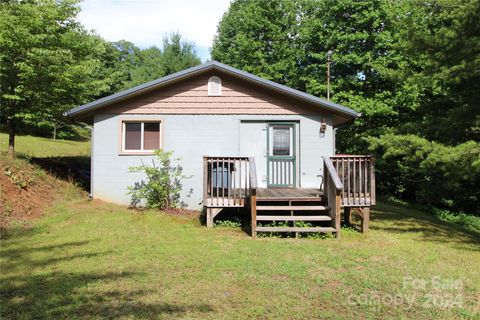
141, 151
291, 131
210, 82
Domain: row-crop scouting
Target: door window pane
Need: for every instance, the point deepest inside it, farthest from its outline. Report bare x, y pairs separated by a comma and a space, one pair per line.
281, 141
133, 138
151, 136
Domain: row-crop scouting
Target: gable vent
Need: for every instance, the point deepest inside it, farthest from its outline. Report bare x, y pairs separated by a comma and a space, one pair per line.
214, 86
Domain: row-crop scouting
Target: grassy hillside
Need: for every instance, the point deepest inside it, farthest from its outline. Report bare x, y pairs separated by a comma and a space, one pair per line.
44, 147
44, 170
89, 259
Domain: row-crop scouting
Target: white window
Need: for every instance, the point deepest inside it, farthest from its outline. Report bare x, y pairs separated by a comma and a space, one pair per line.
281, 140
214, 86
141, 136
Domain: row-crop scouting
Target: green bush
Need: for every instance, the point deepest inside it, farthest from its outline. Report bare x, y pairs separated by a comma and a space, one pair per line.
430, 173
162, 185
470, 222
234, 223
311, 235
270, 234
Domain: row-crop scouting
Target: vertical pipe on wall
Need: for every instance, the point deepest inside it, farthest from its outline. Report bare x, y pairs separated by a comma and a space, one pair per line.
92, 143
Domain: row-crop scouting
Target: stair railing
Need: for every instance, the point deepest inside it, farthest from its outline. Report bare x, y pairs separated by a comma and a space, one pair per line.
332, 188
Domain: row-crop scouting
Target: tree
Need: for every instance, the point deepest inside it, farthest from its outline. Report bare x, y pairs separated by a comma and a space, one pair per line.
118, 61
416, 169
288, 41
149, 67
407, 66
442, 41
49, 63
178, 54
129, 65
412, 68
260, 37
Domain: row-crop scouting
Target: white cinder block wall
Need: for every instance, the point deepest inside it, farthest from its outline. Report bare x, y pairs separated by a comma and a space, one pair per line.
191, 137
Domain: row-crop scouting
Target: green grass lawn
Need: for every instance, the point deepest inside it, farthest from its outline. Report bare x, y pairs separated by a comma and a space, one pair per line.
95, 260
88, 259
43, 147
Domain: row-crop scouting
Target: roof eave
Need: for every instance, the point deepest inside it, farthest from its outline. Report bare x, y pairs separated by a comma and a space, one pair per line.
94, 105
83, 110
293, 92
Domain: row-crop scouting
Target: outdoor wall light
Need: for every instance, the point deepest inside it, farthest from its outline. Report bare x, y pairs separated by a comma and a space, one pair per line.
323, 126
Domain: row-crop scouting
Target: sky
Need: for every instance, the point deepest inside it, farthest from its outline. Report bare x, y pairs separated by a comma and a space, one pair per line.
146, 22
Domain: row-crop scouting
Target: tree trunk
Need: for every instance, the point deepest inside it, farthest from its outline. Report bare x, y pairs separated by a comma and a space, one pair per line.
54, 132
11, 138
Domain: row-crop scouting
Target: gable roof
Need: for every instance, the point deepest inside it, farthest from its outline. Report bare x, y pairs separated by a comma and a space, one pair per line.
85, 110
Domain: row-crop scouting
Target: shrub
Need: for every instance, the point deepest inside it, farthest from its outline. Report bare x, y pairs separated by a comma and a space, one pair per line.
234, 223
311, 235
162, 185
413, 168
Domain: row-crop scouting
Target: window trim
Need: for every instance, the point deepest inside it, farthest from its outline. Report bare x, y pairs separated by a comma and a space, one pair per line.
291, 128
210, 82
142, 151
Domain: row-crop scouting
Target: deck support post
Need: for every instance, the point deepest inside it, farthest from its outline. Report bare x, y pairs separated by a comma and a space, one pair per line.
365, 219
209, 218
333, 189
253, 195
337, 214
253, 211
347, 216
212, 213
364, 213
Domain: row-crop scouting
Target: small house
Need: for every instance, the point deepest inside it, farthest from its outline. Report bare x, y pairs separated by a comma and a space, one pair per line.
246, 142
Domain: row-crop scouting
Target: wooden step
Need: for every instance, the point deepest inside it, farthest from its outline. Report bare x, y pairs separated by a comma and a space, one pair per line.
292, 200
311, 199
290, 208
296, 229
293, 218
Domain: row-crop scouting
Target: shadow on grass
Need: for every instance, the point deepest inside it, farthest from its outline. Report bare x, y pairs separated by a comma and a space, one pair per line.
397, 219
19, 252
50, 293
69, 168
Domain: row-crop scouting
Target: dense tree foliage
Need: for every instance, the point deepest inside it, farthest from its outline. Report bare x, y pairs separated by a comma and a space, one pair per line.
48, 62
410, 67
131, 66
258, 37
412, 167
356, 31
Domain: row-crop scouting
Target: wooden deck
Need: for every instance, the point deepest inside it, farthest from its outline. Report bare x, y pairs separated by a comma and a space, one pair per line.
348, 182
298, 194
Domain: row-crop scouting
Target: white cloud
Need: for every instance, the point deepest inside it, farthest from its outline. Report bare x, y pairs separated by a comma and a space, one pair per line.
145, 22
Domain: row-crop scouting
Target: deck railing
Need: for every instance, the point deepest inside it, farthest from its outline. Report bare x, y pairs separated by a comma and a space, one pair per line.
226, 181
357, 174
333, 188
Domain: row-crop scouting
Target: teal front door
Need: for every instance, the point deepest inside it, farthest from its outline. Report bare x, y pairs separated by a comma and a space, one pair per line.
281, 155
